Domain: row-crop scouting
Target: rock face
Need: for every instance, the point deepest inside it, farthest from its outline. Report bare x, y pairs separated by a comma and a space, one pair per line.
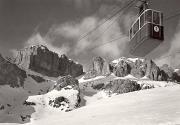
176, 76
40, 59
147, 68
121, 86
136, 67
67, 81
10, 74
122, 69
152, 70
99, 68
167, 72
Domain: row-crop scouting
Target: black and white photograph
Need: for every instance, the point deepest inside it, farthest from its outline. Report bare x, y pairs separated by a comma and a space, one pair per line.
89, 62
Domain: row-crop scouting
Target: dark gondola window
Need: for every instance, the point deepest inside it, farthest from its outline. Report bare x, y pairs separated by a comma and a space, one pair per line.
161, 19
141, 20
156, 18
148, 16
136, 27
130, 33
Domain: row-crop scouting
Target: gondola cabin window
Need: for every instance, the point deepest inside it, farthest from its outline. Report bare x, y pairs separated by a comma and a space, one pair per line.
136, 27
156, 18
148, 16
141, 20
161, 19
130, 33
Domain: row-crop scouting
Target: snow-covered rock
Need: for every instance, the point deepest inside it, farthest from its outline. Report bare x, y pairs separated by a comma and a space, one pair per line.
67, 81
65, 99
176, 70
122, 68
64, 96
129, 60
136, 67
120, 86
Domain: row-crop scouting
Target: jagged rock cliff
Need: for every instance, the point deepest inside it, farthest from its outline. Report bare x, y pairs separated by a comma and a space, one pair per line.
122, 69
40, 59
152, 70
136, 67
10, 74
99, 67
167, 72
176, 75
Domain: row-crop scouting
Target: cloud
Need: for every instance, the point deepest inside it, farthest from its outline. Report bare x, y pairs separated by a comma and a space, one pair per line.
172, 57
81, 4
37, 39
75, 34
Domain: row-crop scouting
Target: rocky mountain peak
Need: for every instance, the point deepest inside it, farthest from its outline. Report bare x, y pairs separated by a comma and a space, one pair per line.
64, 56
98, 63
135, 66
40, 59
99, 67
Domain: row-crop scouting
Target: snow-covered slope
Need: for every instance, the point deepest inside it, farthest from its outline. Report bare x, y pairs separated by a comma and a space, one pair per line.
159, 106
12, 100
12, 108
35, 88
153, 106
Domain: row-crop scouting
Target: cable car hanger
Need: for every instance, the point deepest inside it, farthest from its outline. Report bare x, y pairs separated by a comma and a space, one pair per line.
142, 5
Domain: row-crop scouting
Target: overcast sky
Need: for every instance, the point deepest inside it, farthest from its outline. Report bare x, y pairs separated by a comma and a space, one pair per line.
60, 23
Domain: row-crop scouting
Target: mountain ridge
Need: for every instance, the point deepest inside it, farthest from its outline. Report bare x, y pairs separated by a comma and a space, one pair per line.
40, 59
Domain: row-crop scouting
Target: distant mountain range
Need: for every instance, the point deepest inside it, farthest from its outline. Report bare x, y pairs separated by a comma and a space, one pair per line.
38, 79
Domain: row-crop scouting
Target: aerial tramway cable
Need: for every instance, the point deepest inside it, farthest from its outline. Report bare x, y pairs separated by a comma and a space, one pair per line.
106, 20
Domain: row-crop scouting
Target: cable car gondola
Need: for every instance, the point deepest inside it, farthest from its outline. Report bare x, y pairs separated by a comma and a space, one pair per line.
147, 32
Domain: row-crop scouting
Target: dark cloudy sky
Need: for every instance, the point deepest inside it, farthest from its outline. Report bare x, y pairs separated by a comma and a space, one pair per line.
60, 23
